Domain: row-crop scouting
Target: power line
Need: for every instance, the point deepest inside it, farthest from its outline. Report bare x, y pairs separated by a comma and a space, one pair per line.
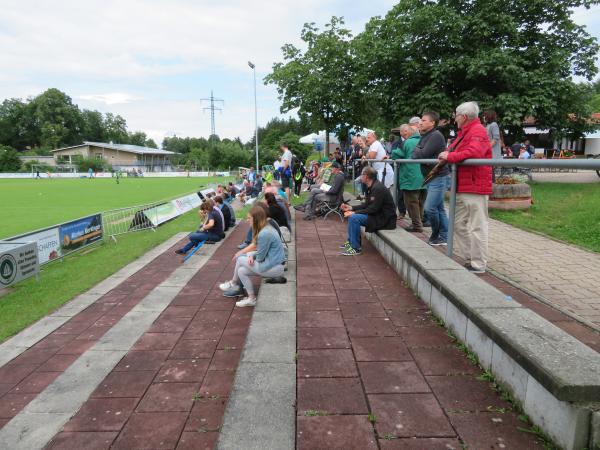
212, 108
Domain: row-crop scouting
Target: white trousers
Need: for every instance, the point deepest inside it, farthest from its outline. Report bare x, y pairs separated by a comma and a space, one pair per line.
471, 229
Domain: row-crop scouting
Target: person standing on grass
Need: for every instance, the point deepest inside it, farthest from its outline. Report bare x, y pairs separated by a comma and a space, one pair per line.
474, 185
210, 230
267, 261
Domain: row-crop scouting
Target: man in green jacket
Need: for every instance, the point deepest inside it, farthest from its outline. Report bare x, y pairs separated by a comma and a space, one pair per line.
410, 178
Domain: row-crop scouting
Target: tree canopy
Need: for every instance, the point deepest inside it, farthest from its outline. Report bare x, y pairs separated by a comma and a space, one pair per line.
51, 120
318, 82
517, 57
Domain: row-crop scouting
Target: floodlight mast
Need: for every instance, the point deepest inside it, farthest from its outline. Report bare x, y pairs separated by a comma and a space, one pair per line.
253, 67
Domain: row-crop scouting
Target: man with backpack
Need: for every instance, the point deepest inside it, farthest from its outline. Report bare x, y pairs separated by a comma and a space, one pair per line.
286, 168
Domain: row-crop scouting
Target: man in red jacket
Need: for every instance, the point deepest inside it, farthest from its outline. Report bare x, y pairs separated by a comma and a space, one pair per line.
474, 185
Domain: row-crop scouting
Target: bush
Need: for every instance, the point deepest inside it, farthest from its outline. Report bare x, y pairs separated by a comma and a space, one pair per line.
97, 165
9, 159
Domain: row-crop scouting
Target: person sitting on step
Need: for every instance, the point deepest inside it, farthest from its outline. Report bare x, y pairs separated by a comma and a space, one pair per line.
210, 230
378, 212
267, 261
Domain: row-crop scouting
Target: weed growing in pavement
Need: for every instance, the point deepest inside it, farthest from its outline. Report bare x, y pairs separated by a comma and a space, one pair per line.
389, 436
372, 418
197, 396
313, 413
504, 394
228, 349
498, 410
540, 435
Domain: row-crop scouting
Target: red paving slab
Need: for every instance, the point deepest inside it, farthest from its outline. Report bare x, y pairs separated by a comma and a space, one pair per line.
389, 377
171, 389
580, 331
36, 368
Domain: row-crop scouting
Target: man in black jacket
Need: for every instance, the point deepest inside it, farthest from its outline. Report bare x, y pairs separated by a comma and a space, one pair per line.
432, 143
320, 195
377, 212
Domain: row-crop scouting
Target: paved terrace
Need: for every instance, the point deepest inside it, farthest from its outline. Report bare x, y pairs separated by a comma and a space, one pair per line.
151, 362
556, 280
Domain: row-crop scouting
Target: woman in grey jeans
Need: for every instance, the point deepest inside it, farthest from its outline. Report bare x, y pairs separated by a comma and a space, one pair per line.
267, 261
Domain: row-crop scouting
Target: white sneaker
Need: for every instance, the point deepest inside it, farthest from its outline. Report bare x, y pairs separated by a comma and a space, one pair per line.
246, 301
226, 286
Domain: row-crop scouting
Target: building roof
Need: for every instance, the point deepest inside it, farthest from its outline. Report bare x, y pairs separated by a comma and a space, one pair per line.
122, 147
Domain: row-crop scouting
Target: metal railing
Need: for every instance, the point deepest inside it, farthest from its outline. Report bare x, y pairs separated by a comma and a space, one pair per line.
584, 164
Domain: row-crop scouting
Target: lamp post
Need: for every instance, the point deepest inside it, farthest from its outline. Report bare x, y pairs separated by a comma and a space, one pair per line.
253, 67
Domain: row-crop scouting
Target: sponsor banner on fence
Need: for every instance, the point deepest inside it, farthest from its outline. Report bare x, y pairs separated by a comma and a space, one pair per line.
47, 241
167, 211
79, 233
18, 260
187, 203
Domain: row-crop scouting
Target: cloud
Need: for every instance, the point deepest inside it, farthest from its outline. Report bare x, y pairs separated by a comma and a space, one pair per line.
113, 98
151, 61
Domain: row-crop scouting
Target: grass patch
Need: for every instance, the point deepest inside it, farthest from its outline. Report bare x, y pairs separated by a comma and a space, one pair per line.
567, 212
29, 204
59, 282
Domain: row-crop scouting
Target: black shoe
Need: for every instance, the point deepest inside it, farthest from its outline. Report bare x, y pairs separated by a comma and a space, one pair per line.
180, 252
276, 280
414, 230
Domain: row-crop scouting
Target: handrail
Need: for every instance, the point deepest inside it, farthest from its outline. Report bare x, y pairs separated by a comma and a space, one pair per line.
584, 164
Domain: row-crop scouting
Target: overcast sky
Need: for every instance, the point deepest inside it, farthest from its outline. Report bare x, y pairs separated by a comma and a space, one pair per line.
152, 61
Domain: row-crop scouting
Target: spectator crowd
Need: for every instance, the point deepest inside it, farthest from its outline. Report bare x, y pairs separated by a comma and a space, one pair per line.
420, 194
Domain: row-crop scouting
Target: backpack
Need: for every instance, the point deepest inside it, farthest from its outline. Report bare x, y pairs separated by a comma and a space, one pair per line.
232, 215
275, 225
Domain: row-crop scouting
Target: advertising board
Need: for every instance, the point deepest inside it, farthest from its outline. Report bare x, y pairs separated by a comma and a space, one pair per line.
79, 233
47, 241
18, 260
174, 208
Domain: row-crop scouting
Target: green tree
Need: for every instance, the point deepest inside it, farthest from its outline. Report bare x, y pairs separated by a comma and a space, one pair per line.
16, 124
319, 82
137, 138
115, 129
93, 126
516, 57
9, 159
151, 144
57, 120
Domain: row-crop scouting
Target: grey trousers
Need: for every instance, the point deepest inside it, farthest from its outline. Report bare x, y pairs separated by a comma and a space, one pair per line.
243, 271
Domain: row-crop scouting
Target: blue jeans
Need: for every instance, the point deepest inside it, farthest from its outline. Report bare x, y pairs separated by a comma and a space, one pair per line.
248, 239
195, 239
434, 207
355, 221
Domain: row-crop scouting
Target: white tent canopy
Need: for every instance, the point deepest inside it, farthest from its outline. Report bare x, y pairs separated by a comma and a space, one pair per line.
314, 137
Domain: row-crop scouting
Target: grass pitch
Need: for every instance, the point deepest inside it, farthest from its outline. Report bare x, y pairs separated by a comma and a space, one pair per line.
29, 204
